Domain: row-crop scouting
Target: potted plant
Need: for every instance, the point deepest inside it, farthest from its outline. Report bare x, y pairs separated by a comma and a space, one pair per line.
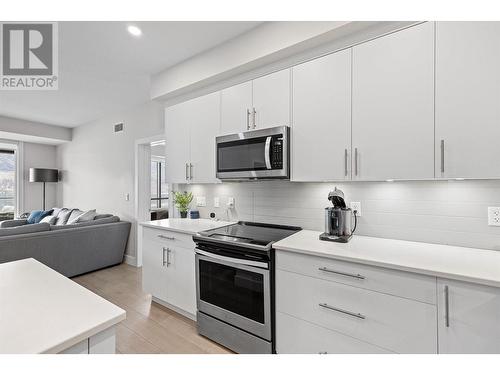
182, 200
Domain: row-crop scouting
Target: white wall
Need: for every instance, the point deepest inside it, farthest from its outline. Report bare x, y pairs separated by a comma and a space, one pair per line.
444, 212
38, 156
98, 165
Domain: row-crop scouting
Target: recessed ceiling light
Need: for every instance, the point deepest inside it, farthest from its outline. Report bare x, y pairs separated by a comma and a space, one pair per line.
134, 30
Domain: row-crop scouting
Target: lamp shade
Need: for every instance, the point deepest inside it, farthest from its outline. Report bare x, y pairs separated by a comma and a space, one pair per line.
44, 175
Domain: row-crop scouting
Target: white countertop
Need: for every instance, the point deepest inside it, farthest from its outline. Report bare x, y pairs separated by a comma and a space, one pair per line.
453, 262
189, 226
42, 311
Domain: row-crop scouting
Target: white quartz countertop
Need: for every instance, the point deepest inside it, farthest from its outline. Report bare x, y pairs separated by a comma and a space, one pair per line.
189, 226
453, 262
42, 311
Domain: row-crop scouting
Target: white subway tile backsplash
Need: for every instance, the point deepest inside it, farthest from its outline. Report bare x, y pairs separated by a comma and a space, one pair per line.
445, 212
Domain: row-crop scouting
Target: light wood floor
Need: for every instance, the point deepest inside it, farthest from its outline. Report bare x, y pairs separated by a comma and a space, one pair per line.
149, 327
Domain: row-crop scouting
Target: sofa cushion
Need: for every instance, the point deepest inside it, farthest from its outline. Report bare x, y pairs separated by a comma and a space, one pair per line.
107, 220
102, 216
13, 223
82, 217
51, 219
38, 215
40, 227
63, 216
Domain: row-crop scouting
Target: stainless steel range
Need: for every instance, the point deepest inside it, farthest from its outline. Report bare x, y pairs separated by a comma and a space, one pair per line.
235, 285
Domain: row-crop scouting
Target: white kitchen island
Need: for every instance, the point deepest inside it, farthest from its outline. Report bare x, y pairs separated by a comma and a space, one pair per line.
42, 311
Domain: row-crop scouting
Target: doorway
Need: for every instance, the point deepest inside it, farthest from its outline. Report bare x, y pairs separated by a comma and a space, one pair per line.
151, 189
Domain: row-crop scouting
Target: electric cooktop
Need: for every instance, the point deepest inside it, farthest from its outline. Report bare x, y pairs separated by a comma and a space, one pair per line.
243, 232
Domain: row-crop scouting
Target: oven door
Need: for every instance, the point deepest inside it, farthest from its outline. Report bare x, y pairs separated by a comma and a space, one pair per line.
235, 291
253, 154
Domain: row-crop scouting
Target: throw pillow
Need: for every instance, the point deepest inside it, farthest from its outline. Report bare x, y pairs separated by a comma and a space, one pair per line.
86, 216
37, 215
51, 219
63, 216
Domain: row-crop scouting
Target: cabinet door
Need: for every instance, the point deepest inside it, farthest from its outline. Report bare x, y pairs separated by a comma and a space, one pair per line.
467, 99
205, 125
177, 142
153, 267
236, 107
393, 106
468, 318
271, 100
181, 279
321, 133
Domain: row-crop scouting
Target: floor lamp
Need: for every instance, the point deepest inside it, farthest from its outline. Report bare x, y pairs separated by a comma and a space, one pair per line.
44, 175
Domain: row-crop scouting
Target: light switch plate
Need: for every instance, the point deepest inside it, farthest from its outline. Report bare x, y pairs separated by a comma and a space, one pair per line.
356, 206
201, 201
494, 216
216, 202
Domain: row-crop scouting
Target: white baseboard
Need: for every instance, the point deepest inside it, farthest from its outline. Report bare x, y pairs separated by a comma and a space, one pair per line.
131, 260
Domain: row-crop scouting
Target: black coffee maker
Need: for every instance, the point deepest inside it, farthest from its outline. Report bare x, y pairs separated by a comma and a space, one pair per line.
338, 219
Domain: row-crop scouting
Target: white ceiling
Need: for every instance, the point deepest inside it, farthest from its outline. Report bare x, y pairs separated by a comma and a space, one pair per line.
102, 68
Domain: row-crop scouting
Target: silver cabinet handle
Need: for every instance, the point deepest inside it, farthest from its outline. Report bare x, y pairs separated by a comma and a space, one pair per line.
187, 171
446, 306
190, 171
163, 257
356, 276
168, 256
356, 161
345, 162
166, 237
356, 315
248, 119
442, 155
254, 113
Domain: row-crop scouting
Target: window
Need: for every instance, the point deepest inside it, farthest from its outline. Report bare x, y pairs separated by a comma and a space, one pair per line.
7, 183
159, 189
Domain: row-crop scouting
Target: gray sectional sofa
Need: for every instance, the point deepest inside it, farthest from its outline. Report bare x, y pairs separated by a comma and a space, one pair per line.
71, 249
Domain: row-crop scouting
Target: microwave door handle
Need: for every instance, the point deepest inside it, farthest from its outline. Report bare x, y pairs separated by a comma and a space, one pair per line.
267, 152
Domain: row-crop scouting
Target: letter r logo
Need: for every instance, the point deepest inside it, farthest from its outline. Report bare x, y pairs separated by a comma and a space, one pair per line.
27, 49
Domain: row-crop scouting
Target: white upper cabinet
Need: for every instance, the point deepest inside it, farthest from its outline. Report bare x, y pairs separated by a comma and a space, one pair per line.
271, 100
469, 318
393, 106
205, 123
321, 135
191, 128
261, 103
467, 99
177, 143
236, 108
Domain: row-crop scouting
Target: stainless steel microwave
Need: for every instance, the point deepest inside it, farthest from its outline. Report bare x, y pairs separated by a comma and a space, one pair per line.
254, 154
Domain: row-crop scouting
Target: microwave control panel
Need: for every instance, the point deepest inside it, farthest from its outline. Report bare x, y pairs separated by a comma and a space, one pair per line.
277, 153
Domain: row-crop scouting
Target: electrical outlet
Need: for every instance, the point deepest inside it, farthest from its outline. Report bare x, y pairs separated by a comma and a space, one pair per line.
216, 202
230, 202
201, 201
494, 216
356, 206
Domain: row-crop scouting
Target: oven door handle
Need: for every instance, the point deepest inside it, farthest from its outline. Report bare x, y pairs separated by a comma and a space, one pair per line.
267, 152
244, 262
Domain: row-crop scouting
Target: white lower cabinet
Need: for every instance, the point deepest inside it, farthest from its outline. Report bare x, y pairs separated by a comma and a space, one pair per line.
469, 318
168, 271
297, 336
391, 322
